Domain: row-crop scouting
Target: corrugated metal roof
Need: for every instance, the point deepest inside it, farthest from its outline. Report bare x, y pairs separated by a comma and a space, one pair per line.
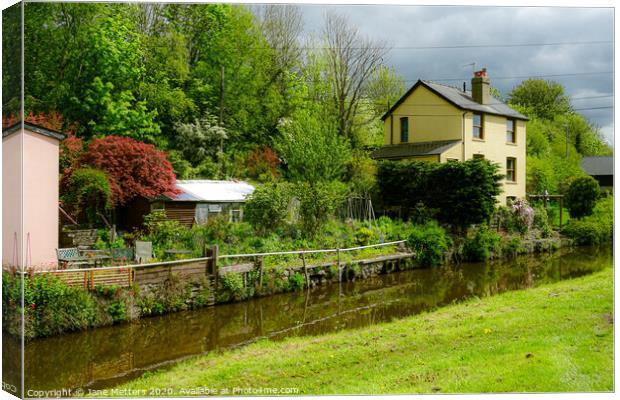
461, 99
600, 165
213, 191
396, 151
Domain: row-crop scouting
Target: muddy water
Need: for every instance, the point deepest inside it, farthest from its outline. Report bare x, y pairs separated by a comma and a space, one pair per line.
107, 356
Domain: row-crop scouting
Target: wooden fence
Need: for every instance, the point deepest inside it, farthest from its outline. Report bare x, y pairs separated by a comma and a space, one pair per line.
154, 273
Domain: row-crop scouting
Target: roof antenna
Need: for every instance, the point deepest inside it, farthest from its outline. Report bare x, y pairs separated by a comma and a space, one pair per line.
464, 86
473, 66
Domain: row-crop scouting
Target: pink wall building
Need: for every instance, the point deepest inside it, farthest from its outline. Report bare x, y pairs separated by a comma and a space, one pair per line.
30, 196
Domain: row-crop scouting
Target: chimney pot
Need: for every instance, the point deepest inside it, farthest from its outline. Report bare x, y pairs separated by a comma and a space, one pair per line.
480, 87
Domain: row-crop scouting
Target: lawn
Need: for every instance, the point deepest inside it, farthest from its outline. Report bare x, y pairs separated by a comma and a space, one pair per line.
553, 338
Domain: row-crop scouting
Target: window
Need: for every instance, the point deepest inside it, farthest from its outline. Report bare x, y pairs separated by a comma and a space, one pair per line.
453, 159
511, 169
235, 215
478, 156
404, 130
511, 131
478, 131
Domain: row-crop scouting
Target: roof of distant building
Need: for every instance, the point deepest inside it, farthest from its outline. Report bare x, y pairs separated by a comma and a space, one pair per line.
202, 190
460, 99
598, 165
403, 150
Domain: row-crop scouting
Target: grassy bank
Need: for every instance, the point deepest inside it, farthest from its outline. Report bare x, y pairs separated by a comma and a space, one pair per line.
553, 338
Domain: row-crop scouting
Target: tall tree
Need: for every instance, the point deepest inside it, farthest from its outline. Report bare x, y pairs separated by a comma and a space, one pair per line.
544, 99
351, 61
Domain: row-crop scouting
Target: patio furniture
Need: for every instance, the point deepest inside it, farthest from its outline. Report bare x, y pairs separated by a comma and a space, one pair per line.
144, 251
122, 256
71, 257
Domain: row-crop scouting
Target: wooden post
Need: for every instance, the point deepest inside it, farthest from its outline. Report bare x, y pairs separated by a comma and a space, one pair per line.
303, 259
130, 276
85, 279
214, 271
338, 262
259, 264
92, 280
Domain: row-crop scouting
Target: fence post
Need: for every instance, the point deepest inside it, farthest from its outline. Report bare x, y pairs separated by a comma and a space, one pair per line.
214, 271
258, 264
303, 259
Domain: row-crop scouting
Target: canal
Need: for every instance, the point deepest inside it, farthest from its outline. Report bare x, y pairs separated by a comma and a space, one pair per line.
107, 356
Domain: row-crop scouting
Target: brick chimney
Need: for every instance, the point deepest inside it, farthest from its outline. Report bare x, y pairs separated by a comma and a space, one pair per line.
480, 89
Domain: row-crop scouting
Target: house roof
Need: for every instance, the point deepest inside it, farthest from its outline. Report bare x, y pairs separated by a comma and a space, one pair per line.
396, 151
601, 165
33, 128
212, 191
460, 99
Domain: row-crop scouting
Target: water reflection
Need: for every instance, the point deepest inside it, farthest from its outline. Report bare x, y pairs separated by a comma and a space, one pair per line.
107, 356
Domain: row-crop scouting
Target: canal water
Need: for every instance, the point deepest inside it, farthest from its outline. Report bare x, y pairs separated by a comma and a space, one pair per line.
107, 356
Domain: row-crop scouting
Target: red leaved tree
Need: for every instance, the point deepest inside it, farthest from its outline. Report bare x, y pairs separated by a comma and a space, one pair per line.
134, 168
263, 161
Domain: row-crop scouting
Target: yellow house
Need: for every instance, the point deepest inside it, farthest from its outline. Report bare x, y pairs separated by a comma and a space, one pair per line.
440, 123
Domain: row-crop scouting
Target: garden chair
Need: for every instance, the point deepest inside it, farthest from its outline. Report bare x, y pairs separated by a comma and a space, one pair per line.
70, 257
144, 251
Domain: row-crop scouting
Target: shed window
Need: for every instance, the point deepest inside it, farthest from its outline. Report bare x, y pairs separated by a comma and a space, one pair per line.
478, 131
511, 131
404, 130
511, 169
235, 215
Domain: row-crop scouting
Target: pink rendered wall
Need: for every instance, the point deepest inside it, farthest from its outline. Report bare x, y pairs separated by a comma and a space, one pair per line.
40, 199
12, 199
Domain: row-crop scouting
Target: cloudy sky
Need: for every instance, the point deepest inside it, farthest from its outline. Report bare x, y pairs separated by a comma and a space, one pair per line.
590, 84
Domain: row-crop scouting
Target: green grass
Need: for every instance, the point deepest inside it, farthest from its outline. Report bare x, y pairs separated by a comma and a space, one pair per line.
552, 338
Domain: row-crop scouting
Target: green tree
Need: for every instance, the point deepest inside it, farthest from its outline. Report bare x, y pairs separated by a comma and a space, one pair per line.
464, 193
86, 192
581, 196
544, 99
311, 148
200, 139
317, 202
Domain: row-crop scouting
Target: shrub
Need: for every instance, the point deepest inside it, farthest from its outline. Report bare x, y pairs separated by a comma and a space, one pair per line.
365, 236
430, 242
118, 311
523, 215
234, 283
52, 307
541, 221
584, 232
267, 208
297, 281
473, 184
165, 233
480, 246
594, 229
581, 196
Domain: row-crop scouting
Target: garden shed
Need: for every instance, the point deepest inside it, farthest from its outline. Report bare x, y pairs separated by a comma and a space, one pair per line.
30, 195
197, 201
